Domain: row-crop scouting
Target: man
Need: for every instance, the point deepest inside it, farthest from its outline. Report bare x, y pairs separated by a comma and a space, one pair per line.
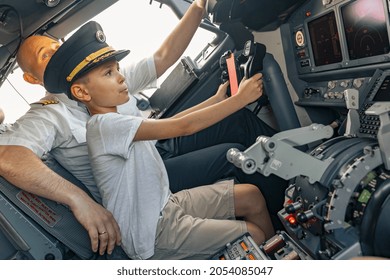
57, 125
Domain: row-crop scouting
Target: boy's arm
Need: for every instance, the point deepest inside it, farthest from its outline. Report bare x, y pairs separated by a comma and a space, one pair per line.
218, 97
176, 43
21, 167
249, 91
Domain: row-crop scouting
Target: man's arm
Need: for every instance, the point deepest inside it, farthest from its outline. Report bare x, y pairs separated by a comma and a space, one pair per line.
21, 167
2, 117
176, 43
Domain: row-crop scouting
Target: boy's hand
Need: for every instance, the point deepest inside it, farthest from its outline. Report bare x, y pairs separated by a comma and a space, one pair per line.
221, 92
201, 3
251, 89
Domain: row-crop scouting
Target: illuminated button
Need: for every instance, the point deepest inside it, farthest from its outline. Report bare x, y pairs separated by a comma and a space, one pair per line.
292, 220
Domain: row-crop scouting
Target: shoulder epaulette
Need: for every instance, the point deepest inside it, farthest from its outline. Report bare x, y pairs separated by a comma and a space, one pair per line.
46, 102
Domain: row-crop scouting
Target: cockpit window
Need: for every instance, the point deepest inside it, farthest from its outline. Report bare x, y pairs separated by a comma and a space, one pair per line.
135, 25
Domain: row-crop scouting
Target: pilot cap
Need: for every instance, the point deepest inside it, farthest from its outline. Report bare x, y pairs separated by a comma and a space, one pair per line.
83, 51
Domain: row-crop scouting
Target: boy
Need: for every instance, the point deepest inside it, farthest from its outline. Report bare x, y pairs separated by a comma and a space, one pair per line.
130, 174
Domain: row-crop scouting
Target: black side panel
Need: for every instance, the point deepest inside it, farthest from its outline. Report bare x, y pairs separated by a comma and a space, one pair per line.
54, 218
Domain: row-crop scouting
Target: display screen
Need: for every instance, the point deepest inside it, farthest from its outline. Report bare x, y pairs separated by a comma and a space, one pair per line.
383, 93
324, 38
365, 28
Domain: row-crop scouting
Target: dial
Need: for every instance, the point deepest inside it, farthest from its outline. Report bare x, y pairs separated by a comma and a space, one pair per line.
299, 38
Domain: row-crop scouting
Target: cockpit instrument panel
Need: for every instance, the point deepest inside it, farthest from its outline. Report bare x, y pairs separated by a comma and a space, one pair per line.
324, 40
365, 29
336, 46
345, 35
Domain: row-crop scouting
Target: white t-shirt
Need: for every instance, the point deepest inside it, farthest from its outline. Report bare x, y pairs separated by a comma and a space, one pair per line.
131, 178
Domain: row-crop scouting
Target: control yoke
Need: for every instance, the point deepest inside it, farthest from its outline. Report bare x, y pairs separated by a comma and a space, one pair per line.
254, 52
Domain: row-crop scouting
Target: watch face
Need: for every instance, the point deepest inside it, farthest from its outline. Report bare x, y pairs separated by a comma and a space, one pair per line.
299, 38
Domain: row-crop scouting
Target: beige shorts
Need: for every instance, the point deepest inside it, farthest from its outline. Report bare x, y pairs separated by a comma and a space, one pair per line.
197, 223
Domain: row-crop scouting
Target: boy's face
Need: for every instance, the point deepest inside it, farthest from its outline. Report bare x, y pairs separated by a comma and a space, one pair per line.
104, 88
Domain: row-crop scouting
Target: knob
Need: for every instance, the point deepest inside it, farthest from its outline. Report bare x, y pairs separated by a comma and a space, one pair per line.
357, 83
303, 217
331, 84
293, 207
344, 84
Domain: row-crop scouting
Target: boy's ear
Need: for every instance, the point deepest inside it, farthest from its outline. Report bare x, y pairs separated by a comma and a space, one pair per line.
79, 92
29, 78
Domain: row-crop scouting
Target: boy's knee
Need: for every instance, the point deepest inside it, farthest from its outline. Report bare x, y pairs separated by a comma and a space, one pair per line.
252, 198
254, 193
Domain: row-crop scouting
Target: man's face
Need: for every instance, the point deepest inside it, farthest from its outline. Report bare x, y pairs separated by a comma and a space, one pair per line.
34, 54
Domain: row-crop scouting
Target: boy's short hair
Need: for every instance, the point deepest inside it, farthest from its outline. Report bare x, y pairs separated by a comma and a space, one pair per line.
82, 52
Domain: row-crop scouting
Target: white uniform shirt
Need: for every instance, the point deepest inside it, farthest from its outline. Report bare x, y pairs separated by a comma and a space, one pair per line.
60, 128
131, 178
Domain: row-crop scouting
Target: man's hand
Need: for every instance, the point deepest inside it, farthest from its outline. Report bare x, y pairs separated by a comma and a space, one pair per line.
102, 228
15, 160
